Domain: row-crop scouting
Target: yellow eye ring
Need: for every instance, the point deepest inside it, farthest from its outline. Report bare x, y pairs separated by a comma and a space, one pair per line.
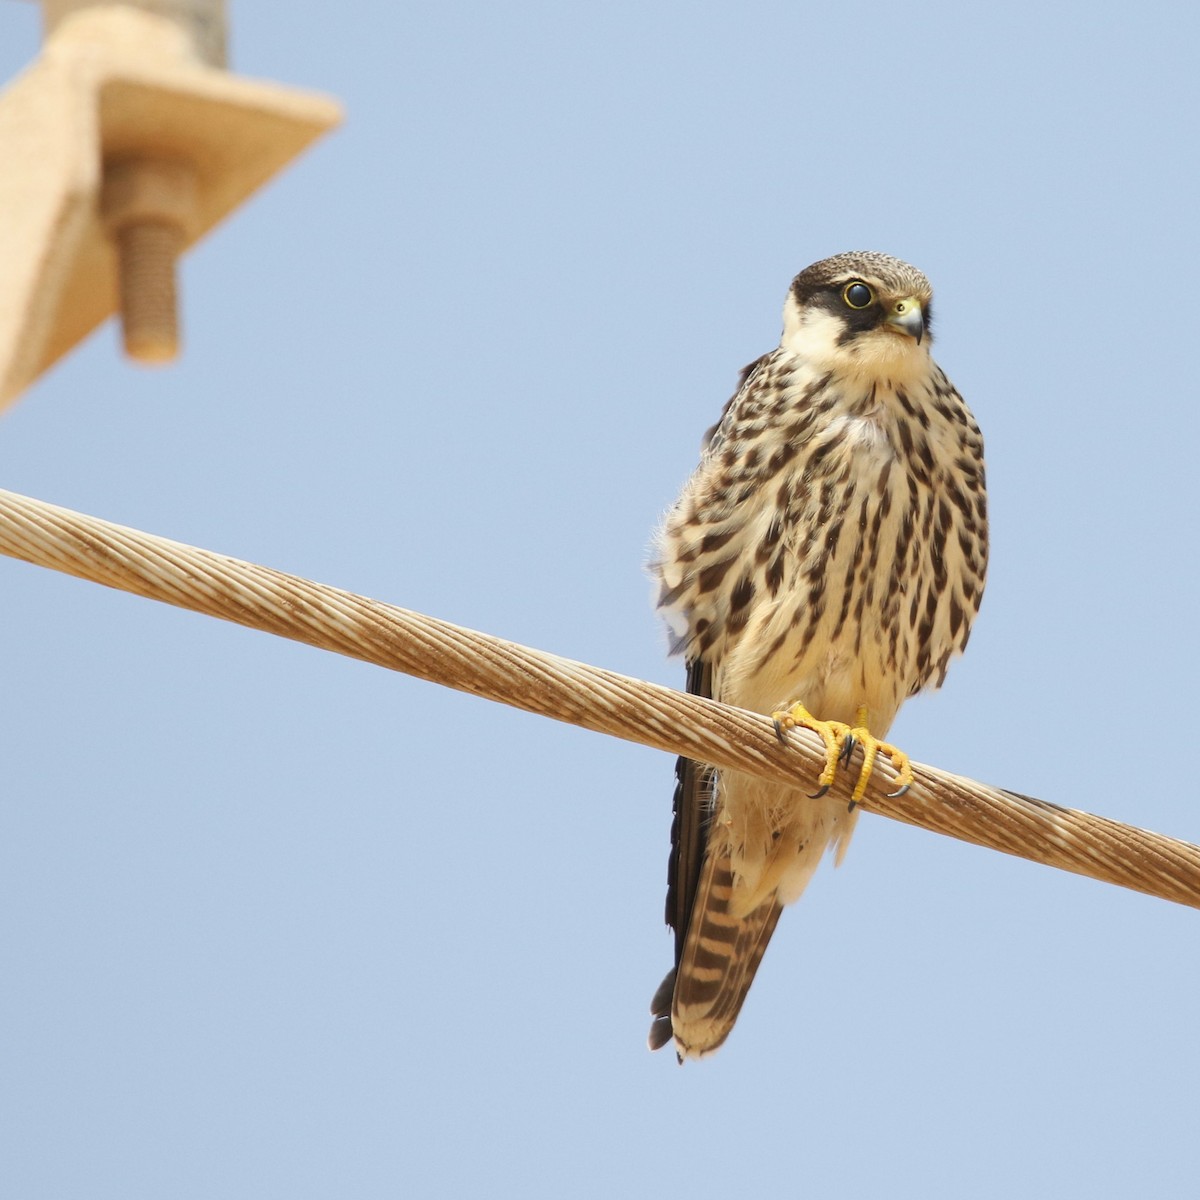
857, 295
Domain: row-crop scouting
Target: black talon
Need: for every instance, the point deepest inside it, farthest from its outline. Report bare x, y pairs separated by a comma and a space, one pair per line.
897, 795
781, 732
819, 792
847, 750
853, 805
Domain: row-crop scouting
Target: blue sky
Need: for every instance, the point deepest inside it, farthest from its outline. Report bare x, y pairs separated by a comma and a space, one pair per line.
275, 923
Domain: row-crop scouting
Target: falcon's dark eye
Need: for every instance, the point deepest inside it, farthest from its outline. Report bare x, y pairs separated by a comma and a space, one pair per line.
858, 295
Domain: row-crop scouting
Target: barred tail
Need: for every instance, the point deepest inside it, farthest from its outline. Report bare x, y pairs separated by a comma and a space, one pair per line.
699, 1001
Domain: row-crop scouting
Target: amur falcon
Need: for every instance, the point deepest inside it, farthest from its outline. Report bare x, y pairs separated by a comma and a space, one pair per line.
824, 562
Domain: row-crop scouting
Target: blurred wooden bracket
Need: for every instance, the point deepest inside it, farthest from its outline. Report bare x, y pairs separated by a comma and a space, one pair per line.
122, 145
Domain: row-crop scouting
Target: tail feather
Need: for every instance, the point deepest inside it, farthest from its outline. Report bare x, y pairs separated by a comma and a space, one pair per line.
699, 1001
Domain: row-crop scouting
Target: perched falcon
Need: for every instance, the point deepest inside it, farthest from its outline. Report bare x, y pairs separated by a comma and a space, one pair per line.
823, 563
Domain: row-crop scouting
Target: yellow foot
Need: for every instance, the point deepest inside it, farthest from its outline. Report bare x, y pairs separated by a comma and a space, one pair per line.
840, 739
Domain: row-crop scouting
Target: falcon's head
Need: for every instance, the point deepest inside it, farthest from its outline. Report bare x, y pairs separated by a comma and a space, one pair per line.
859, 312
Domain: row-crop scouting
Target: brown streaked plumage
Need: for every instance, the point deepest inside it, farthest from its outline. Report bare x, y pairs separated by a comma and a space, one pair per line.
829, 550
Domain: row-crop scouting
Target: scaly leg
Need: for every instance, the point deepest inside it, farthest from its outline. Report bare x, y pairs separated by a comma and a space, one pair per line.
839, 739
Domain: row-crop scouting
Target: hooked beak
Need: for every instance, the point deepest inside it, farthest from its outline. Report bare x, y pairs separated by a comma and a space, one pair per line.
906, 316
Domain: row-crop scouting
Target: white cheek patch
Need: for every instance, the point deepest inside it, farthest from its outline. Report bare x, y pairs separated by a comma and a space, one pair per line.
814, 332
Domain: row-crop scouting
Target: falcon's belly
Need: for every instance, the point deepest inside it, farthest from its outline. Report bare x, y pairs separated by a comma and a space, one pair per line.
830, 633
836, 571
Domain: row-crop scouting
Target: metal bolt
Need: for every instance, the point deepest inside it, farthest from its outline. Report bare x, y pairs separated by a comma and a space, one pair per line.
147, 206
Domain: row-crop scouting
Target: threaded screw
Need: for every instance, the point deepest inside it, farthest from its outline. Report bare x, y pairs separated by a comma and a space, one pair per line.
147, 206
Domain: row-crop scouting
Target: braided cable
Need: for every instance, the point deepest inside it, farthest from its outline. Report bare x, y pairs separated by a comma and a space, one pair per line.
604, 701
